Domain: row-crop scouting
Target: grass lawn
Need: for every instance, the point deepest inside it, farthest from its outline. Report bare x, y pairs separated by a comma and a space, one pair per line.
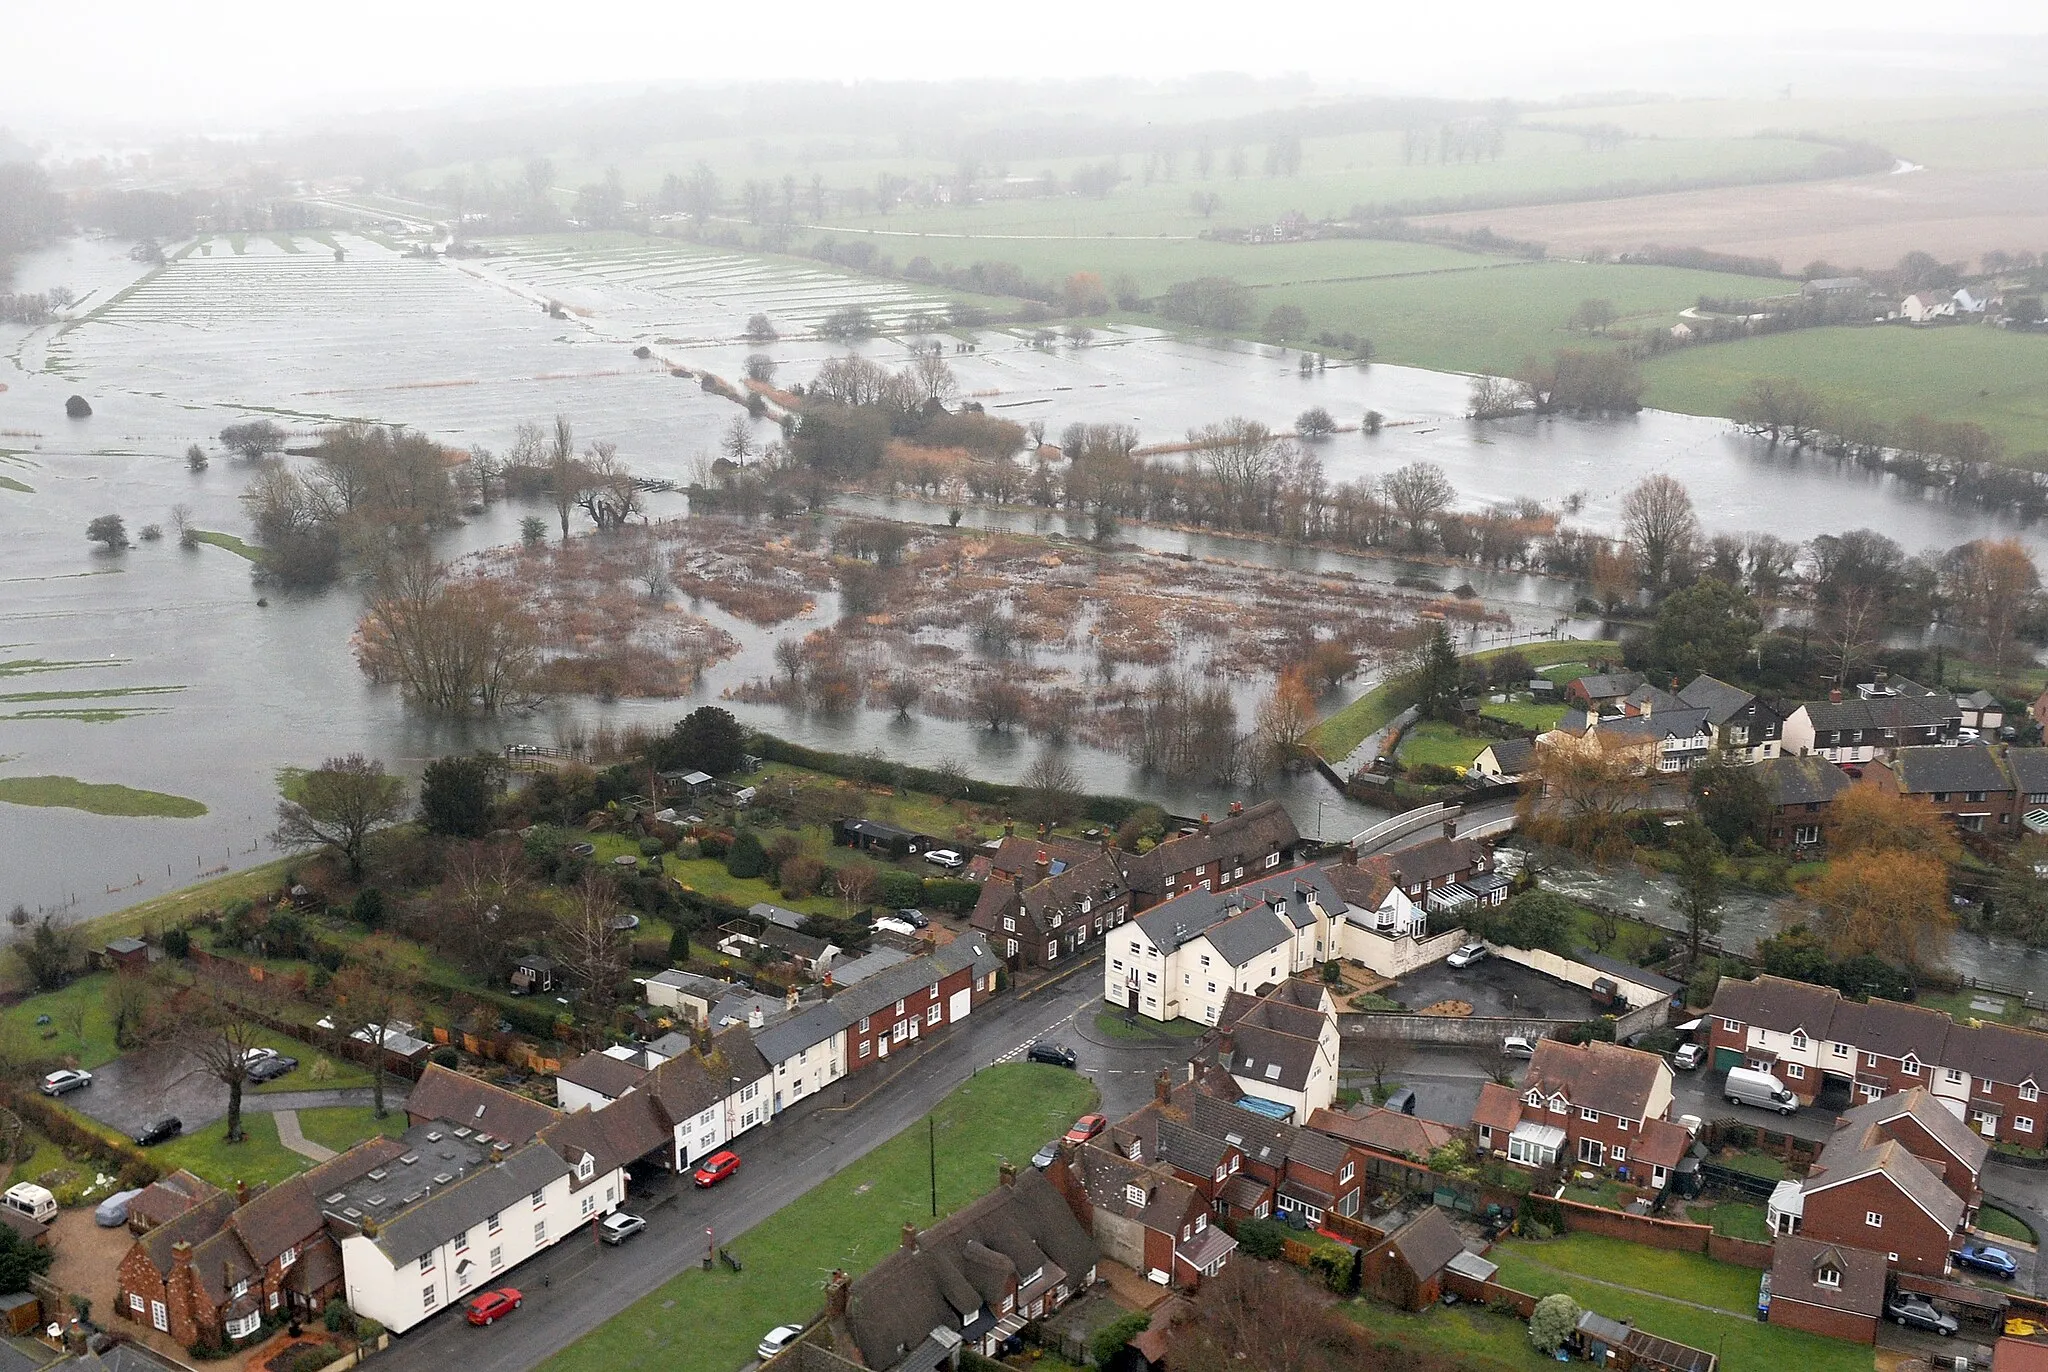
1734, 1220
1631, 942
97, 798
1428, 742
1730, 1329
1117, 1027
1476, 1336
1992, 1220
1529, 714
1992, 377
1611, 1194
1958, 1006
710, 1321
95, 1047
1347, 726
46, 1158
1756, 1164
227, 541
342, 1127
316, 1071
259, 1157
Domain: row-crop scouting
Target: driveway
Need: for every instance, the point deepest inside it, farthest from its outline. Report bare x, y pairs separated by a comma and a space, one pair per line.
141, 1087
1494, 987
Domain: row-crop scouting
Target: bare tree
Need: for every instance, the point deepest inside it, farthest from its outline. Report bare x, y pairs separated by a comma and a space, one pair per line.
1657, 520
591, 946
904, 692
738, 442
222, 1031
1052, 790
367, 997
338, 806
1853, 623
1421, 495
608, 492
855, 881
565, 481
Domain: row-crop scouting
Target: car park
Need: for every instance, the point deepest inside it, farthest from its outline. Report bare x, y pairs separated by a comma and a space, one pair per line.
945, 857
1983, 1257
68, 1079
1054, 1054
779, 1338
1466, 955
493, 1306
620, 1226
1917, 1312
169, 1127
1515, 1046
1086, 1128
717, 1167
1043, 1158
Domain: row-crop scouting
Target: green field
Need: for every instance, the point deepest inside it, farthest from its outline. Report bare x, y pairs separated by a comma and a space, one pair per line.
229, 542
99, 798
710, 1321
1481, 1339
1347, 726
1967, 372
1658, 1283
1430, 743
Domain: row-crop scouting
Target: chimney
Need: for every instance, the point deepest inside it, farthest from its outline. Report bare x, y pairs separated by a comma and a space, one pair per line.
1226, 1045
909, 1240
1043, 862
181, 1255
241, 1192
789, 999
1350, 856
1010, 828
1236, 807
1006, 1173
754, 1018
1162, 1086
837, 1289
1205, 824
1017, 882
1451, 827
1835, 696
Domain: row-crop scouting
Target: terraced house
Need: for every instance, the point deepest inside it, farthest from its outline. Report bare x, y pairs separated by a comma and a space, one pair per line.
1819, 1043
1884, 716
1246, 845
1055, 908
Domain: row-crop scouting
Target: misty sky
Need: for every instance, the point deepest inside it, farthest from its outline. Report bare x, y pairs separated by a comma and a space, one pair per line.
191, 65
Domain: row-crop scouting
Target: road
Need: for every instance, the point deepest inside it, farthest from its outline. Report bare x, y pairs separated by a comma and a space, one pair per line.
575, 1286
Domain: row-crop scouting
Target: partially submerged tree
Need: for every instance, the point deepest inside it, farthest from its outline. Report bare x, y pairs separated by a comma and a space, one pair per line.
338, 805
108, 529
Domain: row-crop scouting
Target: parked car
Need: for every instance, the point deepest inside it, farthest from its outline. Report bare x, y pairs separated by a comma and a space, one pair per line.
1515, 1046
273, 1067
1688, 1056
1402, 1100
1975, 1253
66, 1079
779, 1338
914, 918
1055, 1054
252, 1056
169, 1127
1043, 1158
893, 925
112, 1212
1918, 1312
1747, 1086
945, 857
493, 1306
620, 1226
1086, 1128
717, 1167
1468, 954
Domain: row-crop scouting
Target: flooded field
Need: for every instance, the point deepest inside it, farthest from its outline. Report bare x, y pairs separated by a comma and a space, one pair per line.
159, 668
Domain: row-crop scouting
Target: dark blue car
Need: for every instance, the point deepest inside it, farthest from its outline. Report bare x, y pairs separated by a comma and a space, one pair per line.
1984, 1258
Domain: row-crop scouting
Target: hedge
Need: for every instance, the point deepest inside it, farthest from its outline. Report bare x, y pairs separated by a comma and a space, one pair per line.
1110, 810
69, 1131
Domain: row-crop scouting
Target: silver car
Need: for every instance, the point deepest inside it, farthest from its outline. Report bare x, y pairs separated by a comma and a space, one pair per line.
779, 1338
620, 1226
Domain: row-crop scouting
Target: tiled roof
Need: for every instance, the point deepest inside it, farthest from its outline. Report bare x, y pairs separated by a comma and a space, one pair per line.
288, 1212
1513, 755
1603, 1076
602, 1073
1971, 768
1610, 685
1427, 1242
1247, 837
1436, 857
1855, 1153
1663, 1144
1499, 1108
1318, 1152
1881, 712
1262, 1141
199, 1223
623, 1132
1795, 1266
1720, 700
1801, 780
1778, 1004
1386, 1131
2029, 769
1270, 1058
445, 1094
1917, 1103
781, 1042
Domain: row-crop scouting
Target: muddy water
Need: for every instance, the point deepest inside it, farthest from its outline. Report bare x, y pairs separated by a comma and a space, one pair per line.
465, 355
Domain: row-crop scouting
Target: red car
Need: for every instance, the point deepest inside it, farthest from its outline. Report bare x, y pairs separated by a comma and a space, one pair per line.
1086, 1128
718, 1167
493, 1306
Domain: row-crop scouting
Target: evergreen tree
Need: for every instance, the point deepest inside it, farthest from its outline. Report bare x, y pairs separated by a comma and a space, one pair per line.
1438, 676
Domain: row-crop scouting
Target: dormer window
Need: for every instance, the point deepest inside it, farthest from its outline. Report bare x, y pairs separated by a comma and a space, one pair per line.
1798, 1038
2028, 1091
1533, 1098
1828, 1275
1134, 1194
1910, 1066
586, 1168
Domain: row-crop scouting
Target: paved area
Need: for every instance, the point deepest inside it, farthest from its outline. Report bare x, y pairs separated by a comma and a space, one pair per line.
291, 1136
1493, 987
140, 1087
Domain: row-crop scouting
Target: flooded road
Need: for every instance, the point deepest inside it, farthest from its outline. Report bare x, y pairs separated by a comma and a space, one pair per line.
158, 668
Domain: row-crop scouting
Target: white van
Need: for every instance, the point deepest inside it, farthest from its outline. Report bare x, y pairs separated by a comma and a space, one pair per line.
1747, 1086
34, 1201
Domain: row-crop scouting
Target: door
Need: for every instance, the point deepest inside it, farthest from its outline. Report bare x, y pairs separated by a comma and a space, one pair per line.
1592, 1152
913, 1026
957, 1008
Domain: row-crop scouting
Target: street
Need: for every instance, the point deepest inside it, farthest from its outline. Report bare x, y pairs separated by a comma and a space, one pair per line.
573, 1287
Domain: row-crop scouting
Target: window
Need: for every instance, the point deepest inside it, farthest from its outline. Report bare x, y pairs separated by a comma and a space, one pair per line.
497, 1256
1588, 1113
1795, 1071
287, 1258
1798, 1038
426, 1266
159, 1316
934, 992
864, 1046
1731, 1026
1349, 1169
135, 1302
1620, 1153
1592, 1151
589, 1204
1955, 1076
1272, 860
1976, 797
2023, 1124
899, 1007
864, 1023
540, 1231
1621, 1124
251, 1322
1840, 1050
1911, 1066
1009, 925
429, 1298
931, 1016
2028, 1091
1135, 1194
461, 1243
586, 1168
540, 1198
1873, 1219
1940, 796
1828, 1276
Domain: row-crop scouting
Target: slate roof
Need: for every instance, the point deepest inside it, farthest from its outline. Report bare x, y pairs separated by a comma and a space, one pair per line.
1971, 768
623, 1132
1513, 755
445, 1094
602, 1073
2029, 767
1797, 1260
1869, 1151
1263, 1141
1602, 1076
781, 1042
1608, 685
1436, 858
1276, 1010
770, 913
964, 1263
1683, 722
467, 1202
1427, 1242
1648, 699
1386, 1131
1261, 1057
1879, 712
1189, 1149
1195, 912
1721, 701
1801, 780
1318, 1152
1628, 971
1241, 838
283, 1216
1963, 1143
706, 989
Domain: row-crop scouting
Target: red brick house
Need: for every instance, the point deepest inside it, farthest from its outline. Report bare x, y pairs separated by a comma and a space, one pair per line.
1035, 918
1146, 1217
1405, 1269
1867, 1190
1439, 862
1594, 1105
214, 1274
1827, 1288
1930, 1133
1802, 793
1245, 845
1970, 786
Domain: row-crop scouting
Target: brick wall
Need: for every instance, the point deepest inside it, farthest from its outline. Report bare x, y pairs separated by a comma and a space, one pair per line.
1677, 1235
1833, 1324
1490, 1293
1741, 1252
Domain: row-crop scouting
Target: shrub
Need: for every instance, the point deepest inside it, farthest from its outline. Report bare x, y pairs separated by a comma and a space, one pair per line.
1112, 1338
652, 847
1262, 1238
177, 942
746, 858
367, 909
712, 845
898, 889
311, 1358
334, 1315
443, 1057
1553, 1321
1315, 422
950, 893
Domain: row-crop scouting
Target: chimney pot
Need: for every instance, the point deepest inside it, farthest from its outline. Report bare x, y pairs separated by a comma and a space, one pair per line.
1451, 828
1236, 807
181, 1254
241, 1192
836, 1292
909, 1236
789, 999
1835, 696
1350, 857
1205, 822
1162, 1086
1006, 1173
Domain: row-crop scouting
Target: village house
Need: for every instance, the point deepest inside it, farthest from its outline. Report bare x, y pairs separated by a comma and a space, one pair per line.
1815, 1040
1802, 793
1601, 690
1389, 1132
166, 1198
1594, 1105
1826, 1288
1667, 740
1444, 861
1282, 1046
973, 1280
1868, 1190
1037, 917
1011, 856
1887, 714
1144, 1216
1507, 759
1968, 786
1746, 728
686, 995
1924, 307
1247, 844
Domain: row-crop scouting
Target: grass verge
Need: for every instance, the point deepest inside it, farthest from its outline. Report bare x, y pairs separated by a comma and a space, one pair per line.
98, 798
710, 1321
1117, 1027
1992, 1220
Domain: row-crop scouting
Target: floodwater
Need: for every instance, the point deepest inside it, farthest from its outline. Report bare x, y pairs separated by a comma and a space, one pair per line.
169, 675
